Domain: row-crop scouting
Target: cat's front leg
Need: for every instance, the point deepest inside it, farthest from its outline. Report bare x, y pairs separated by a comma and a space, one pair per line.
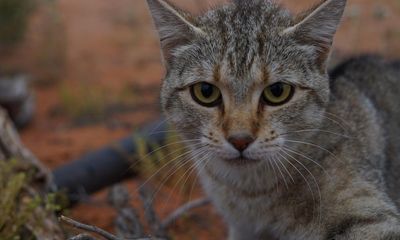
362, 214
366, 229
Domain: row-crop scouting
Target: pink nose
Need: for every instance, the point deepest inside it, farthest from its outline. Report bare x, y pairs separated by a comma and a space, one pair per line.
241, 141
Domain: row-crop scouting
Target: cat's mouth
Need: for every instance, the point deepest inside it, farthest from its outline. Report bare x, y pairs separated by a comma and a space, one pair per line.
241, 161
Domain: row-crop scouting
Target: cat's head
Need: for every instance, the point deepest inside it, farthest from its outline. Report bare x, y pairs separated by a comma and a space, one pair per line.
241, 76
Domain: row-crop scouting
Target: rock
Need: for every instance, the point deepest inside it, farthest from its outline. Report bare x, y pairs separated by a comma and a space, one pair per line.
17, 99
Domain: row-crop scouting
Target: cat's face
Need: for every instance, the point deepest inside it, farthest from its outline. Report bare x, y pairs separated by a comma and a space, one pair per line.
245, 118
242, 79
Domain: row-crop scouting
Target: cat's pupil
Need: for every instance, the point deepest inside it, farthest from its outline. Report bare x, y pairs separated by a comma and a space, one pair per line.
277, 89
207, 90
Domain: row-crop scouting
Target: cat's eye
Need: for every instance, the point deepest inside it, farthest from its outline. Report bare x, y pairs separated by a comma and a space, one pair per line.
278, 94
206, 94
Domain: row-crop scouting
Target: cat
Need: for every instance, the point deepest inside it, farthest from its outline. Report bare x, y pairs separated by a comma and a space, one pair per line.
283, 149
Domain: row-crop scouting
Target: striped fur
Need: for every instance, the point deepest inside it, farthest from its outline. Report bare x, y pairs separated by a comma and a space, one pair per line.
324, 165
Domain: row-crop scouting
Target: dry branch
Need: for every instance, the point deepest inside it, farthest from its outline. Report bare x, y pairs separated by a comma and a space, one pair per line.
106, 166
96, 230
127, 223
147, 197
184, 210
89, 228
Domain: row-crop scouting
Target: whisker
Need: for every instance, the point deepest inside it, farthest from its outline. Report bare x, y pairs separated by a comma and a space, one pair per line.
313, 145
197, 165
316, 130
166, 119
339, 118
306, 157
314, 179
190, 170
346, 129
287, 171
174, 131
279, 169
163, 147
197, 176
170, 144
176, 170
273, 170
183, 163
301, 174
165, 165
187, 173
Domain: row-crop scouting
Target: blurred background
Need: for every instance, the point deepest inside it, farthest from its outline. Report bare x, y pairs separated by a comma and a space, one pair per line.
93, 70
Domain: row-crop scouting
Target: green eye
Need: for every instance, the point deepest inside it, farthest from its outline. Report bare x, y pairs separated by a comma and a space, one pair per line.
278, 94
206, 94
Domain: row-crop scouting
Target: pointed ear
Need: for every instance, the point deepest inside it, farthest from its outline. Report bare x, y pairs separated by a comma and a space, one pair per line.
317, 26
175, 27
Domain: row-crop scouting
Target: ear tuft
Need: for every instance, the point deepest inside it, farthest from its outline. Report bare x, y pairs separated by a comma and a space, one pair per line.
318, 25
175, 27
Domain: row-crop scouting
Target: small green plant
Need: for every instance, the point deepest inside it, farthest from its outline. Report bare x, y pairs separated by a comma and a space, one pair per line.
17, 206
14, 17
15, 209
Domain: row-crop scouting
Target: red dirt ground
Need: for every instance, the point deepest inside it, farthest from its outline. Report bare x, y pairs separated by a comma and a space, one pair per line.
112, 46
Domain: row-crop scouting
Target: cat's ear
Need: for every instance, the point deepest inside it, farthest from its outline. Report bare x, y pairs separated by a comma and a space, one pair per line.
175, 27
317, 26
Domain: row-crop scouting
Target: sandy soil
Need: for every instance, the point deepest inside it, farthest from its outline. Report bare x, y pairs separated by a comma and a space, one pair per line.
112, 47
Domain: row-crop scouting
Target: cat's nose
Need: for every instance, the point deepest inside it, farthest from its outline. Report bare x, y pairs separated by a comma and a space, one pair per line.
241, 141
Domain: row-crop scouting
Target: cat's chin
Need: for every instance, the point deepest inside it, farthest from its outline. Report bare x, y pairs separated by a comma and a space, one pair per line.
241, 161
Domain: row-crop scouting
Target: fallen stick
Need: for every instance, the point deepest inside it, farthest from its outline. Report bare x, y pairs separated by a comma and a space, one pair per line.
89, 228
183, 210
98, 231
107, 166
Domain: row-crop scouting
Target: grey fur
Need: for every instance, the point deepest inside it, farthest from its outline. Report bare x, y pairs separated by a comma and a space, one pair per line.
326, 163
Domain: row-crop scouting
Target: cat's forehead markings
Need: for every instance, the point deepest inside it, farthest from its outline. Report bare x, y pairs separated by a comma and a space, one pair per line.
217, 73
265, 76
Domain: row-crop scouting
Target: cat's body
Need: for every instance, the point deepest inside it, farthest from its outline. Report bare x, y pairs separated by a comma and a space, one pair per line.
280, 149
352, 173
379, 82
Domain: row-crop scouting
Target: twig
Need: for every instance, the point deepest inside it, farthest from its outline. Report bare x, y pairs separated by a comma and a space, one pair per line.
147, 198
99, 231
119, 197
89, 228
83, 237
127, 222
183, 210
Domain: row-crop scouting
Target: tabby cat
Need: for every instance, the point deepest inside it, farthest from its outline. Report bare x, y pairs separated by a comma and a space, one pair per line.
284, 149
